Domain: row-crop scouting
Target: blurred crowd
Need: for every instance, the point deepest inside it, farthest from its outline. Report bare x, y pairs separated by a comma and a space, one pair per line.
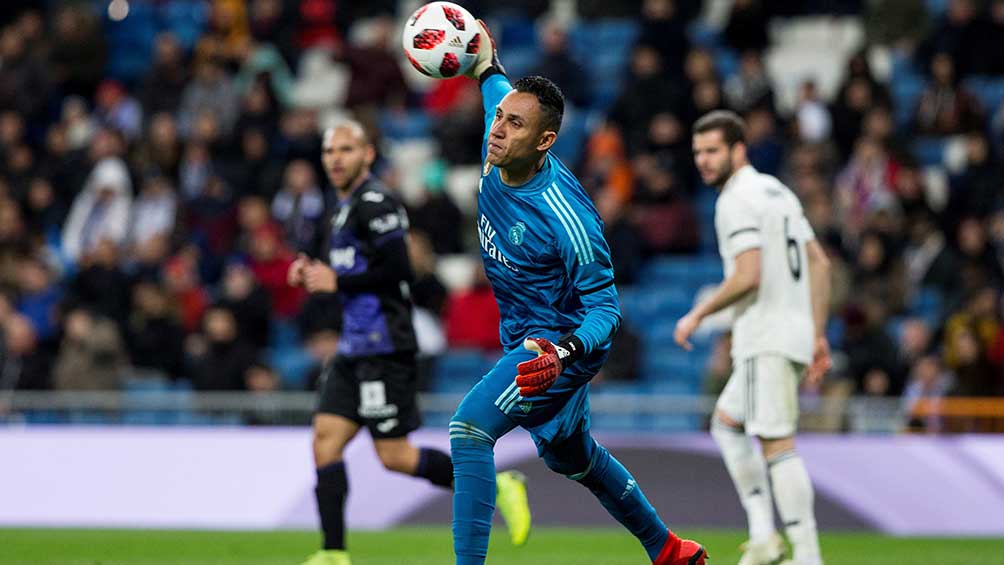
148, 215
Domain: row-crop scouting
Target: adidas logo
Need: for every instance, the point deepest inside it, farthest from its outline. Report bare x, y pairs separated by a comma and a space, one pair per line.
456, 42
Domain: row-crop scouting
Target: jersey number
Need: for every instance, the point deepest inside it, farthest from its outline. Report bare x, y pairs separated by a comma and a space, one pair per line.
794, 257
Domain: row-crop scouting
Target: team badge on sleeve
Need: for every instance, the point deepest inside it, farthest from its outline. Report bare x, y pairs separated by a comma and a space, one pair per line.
516, 233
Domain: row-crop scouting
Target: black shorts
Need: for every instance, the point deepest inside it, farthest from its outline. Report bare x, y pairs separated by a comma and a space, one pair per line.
376, 391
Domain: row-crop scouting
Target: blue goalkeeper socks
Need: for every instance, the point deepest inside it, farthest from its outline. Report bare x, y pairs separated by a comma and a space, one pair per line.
618, 492
473, 492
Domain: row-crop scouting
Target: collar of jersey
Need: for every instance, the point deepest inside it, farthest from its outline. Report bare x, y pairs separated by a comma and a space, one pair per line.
736, 177
538, 183
342, 201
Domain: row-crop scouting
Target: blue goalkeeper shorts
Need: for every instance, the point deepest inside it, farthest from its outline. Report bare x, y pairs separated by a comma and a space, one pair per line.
495, 406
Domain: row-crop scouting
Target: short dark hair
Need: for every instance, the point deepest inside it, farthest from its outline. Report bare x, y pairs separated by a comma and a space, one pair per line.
732, 126
552, 101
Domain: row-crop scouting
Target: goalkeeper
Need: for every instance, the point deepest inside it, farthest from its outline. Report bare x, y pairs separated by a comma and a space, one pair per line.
543, 249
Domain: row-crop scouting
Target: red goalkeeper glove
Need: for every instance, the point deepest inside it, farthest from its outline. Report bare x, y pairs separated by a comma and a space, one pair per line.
535, 376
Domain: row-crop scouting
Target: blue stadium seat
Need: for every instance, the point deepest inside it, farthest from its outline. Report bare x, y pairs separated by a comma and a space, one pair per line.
400, 126
283, 333
928, 304
989, 91
459, 370
906, 90
929, 151
570, 143
703, 35
185, 19
514, 32
293, 364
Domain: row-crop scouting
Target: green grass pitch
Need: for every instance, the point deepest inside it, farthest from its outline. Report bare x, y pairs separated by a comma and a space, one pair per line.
432, 546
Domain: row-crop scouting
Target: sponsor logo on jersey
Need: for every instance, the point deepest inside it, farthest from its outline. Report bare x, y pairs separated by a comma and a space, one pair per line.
372, 197
343, 257
385, 224
486, 235
516, 233
386, 425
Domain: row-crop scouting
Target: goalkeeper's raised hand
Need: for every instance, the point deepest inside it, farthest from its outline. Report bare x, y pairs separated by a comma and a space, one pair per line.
535, 376
487, 62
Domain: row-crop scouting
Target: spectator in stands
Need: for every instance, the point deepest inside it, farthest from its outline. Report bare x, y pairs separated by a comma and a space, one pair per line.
251, 305
979, 318
26, 362
182, 281
663, 215
115, 109
436, 215
605, 165
427, 291
101, 284
153, 212
763, 146
376, 74
154, 336
664, 27
212, 91
299, 205
991, 50
39, 296
91, 356
900, 25
78, 53
556, 63
864, 186
750, 88
814, 124
460, 131
976, 191
166, 79
914, 342
159, 153
471, 316
79, 125
100, 211
622, 236
647, 91
269, 259
219, 356
747, 27
957, 35
43, 212
945, 107
227, 37
878, 272
24, 82
928, 381
968, 264
12, 242
974, 375
870, 351
624, 362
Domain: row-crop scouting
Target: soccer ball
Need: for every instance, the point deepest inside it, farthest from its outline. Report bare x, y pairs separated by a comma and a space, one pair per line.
441, 39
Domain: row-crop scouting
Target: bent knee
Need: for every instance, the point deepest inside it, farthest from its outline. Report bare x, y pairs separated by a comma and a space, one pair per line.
465, 433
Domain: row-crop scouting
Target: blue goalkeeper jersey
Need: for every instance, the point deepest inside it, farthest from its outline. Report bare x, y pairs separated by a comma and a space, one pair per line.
543, 249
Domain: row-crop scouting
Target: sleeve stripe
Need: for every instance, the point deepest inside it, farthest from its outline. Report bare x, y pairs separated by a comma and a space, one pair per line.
582, 230
743, 230
571, 224
564, 222
598, 287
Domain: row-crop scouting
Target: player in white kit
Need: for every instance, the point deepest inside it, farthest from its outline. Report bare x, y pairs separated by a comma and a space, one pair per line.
777, 282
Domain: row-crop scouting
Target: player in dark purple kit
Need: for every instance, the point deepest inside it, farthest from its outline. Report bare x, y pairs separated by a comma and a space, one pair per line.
371, 382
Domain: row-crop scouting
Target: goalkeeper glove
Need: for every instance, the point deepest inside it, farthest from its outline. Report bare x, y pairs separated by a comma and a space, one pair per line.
487, 63
535, 376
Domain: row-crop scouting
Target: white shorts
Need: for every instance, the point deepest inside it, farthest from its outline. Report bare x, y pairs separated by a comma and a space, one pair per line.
762, 395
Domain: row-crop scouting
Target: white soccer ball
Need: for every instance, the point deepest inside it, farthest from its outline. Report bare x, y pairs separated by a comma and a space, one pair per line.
441, 39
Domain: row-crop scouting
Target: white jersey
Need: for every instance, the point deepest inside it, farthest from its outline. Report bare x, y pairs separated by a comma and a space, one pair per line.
755, 210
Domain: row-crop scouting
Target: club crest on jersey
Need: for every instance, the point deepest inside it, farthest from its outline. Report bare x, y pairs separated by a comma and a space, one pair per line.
516, 233
525, 406
486, 169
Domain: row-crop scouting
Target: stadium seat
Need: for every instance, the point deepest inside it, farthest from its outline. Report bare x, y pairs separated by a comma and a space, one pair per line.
293, 364
929, 150
458, 370
399, 125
